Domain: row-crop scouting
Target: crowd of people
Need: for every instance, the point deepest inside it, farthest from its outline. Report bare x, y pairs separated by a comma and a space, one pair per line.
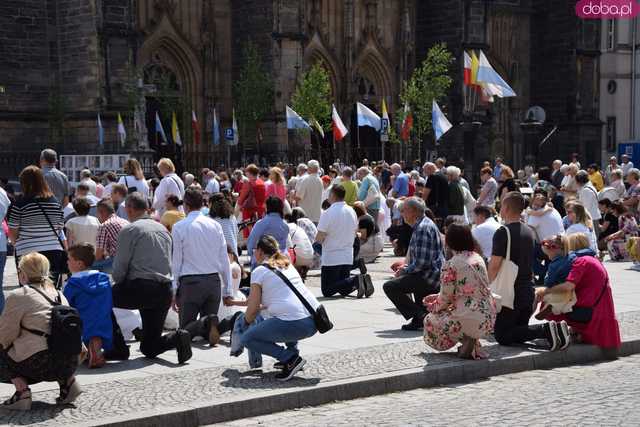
157, 259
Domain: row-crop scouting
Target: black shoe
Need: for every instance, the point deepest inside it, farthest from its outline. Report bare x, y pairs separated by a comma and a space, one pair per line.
362, 266
137, 334
213, 333
291, 368
117, 353
183, 345
368, 286
280, 366
414, 325
564, 335
362, 288
552, 335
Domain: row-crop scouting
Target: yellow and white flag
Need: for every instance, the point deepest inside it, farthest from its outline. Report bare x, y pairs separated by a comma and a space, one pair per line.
175, 132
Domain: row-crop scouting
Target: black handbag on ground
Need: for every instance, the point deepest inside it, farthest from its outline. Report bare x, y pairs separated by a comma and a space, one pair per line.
584, 314
320, 316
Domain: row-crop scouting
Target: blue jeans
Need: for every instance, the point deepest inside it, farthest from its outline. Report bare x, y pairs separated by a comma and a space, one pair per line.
263, 337
3, 260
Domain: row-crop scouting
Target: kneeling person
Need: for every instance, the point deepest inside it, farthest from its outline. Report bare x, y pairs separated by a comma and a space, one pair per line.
89, 291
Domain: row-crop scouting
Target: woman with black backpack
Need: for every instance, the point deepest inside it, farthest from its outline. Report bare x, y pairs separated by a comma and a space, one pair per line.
39, 338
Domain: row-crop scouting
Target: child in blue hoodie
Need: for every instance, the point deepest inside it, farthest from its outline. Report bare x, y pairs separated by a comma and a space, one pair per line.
561, 262
89, 291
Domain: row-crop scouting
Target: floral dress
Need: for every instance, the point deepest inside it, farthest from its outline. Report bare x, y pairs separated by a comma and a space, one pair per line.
464, 305
618, 248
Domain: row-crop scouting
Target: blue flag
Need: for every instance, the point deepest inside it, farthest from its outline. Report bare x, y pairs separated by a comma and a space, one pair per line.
100, 131
159, 129
216, 128
440, 123
294, 121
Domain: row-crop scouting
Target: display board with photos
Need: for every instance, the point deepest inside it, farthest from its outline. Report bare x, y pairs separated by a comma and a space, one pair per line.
99, 164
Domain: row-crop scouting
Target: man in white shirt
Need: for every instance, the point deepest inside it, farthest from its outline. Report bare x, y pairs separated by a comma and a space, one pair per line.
213, 186
337, 233
83, 191
170, 184
588, 196
626, 165
200, 264
309, 192
485, 228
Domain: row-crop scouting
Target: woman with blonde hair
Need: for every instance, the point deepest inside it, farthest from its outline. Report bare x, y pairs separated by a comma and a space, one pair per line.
134, 178
289, 321
277, 187
169, 184
581, 222
25, 357
508, 182
592, 319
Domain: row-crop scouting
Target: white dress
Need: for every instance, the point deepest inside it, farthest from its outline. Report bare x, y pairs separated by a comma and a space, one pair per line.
224, 311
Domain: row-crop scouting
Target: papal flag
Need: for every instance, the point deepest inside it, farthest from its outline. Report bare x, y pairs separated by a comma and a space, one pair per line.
175, 131
317, 126
122, 133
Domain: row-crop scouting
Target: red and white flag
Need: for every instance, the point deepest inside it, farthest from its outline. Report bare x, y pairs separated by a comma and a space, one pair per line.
467, 69
195, 128
339, 129
407, 124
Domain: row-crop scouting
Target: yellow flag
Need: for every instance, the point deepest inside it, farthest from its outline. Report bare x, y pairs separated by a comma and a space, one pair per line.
475, 64
175, 132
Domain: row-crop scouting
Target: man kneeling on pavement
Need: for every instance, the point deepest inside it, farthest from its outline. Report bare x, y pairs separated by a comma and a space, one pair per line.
420, 275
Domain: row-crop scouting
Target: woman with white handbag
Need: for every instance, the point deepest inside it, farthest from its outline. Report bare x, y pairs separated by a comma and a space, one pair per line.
511, 277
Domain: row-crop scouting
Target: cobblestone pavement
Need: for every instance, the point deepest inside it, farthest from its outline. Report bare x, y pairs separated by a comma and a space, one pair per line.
186, 388
599, 394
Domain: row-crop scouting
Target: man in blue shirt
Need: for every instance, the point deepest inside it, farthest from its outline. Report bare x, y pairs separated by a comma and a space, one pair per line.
401, 184
421, 277
497, 169
272, 224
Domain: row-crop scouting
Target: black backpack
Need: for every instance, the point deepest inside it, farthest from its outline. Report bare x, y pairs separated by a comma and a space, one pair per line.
66, 328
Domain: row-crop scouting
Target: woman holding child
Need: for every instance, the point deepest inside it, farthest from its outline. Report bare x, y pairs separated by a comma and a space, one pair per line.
592, 318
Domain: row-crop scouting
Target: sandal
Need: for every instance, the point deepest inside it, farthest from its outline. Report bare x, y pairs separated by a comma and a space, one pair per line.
68, 393
20, 401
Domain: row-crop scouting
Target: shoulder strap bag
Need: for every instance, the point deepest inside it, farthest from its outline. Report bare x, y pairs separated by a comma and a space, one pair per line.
503, 285
320, 316
580, 314
62, 267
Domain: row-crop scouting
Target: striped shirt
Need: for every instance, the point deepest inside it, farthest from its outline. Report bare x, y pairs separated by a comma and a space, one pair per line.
230, 231
107, 238
34, 232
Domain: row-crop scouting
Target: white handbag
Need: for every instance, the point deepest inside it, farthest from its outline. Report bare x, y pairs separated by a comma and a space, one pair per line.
502, 286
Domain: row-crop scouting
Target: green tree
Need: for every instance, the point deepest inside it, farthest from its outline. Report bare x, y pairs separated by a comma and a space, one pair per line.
312, 96
253, 93
431, 80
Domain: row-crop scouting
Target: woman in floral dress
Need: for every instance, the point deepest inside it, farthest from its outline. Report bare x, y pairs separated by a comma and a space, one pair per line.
627, 229
464, 311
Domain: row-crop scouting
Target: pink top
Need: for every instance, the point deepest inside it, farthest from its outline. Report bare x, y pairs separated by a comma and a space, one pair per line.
278, 190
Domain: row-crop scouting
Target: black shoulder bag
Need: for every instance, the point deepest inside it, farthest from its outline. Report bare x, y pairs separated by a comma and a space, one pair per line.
320, 316
62, 268
584, 314
129, 189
